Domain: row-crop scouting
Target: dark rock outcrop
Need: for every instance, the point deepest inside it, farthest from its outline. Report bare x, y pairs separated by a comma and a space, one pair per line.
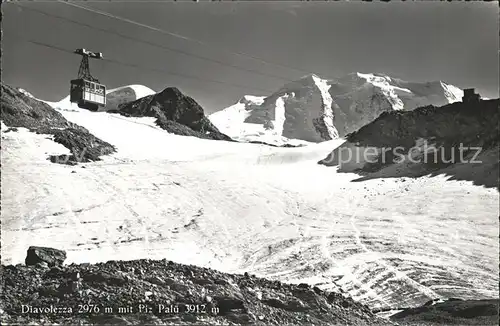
460, 140
161, 292
50, 256
20, 110
469, 123
451, 312
84, 146
176, 113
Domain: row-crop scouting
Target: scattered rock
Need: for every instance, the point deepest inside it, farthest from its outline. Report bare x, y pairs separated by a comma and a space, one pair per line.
156, 280
42, 265
189, 317
296, 305
222, 282
75, 276
273, 302
54, 271
333, 297
179, 287
227, 304
105, 277
202, 281
451, 312
110, 320
242, 318
48, 291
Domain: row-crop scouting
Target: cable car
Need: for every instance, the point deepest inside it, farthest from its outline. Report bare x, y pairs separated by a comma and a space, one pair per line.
87, 94
86, 90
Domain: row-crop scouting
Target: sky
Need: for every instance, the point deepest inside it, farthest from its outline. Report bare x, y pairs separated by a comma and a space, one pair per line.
456, 42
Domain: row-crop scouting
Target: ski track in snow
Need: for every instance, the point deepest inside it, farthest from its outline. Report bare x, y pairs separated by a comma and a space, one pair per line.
237, 207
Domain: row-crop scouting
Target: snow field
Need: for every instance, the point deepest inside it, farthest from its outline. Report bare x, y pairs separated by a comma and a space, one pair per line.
248, 207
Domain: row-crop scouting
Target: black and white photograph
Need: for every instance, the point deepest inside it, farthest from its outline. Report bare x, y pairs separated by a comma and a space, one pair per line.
260, 163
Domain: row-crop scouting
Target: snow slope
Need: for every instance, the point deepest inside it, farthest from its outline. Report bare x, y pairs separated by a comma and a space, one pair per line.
233, 117
315, 109
247, 207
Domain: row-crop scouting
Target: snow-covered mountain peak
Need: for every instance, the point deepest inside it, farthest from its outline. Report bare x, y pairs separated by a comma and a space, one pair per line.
300, 110
304, 86
314, 109
452, 93
376, 79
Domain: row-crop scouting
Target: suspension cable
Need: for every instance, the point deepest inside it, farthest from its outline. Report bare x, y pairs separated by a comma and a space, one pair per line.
240, 54
128, 37
163, 71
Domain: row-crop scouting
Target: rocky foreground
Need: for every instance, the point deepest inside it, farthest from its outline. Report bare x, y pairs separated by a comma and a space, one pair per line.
161, 292
451, 312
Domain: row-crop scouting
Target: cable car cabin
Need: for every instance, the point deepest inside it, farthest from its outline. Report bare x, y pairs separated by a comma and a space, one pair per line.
88, 94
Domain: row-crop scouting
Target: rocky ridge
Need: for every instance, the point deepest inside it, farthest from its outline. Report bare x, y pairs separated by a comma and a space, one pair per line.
439, 140
162, 292
175, 112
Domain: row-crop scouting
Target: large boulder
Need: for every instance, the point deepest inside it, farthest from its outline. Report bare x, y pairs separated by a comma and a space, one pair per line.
51, 256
